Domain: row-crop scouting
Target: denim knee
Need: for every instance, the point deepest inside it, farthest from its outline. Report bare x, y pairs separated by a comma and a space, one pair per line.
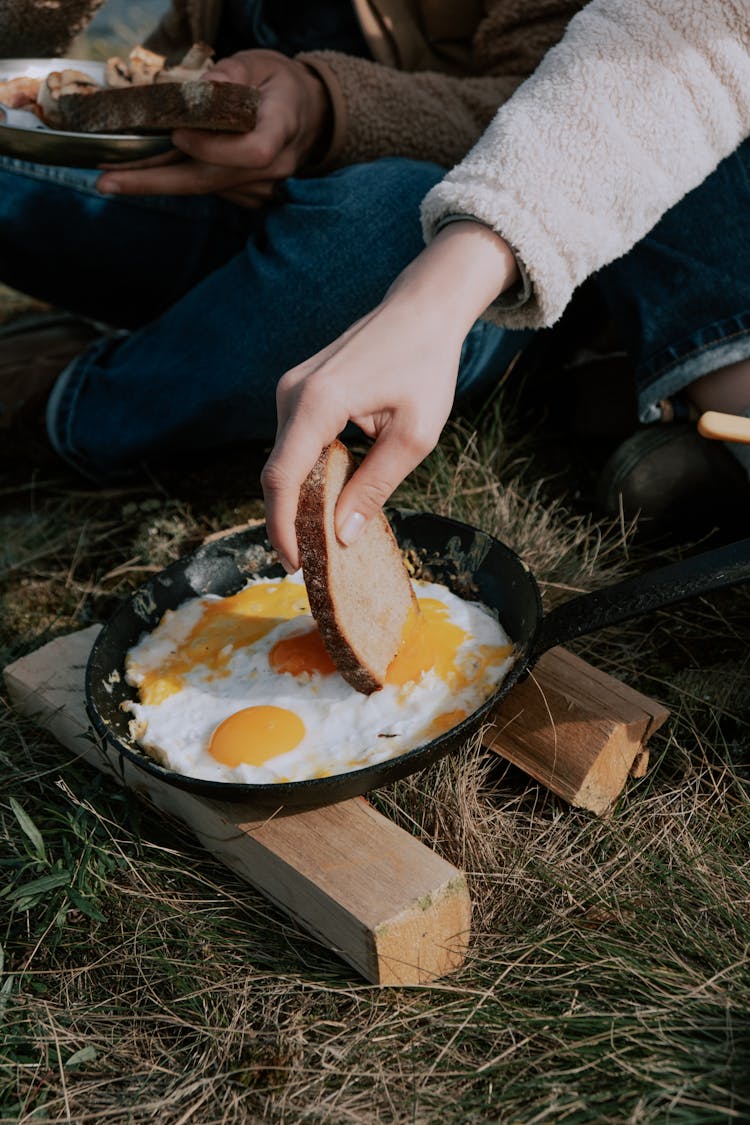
681, 296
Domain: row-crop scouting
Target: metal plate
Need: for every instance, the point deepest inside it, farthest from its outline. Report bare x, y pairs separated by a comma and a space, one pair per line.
27, 138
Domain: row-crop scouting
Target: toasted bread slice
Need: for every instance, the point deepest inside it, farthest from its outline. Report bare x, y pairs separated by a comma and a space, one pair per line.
360, 596
223, 106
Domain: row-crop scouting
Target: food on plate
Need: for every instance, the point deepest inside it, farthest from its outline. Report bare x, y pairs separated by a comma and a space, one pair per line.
144, 67
360, 596
242, 689
58, 84
142, 95
20, 93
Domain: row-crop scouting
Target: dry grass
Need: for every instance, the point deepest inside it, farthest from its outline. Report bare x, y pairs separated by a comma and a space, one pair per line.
607, 979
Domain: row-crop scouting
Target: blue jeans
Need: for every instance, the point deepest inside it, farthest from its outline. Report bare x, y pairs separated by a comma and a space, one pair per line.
681, 297
217, 301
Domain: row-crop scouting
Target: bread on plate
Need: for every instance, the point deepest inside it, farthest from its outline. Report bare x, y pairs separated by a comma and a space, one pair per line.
224, 106
142, 94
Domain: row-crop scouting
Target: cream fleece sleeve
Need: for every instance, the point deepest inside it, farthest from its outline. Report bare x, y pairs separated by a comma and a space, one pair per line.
634, 107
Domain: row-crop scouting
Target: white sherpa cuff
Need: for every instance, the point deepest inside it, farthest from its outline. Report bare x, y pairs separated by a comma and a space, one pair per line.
513, 298
545, 294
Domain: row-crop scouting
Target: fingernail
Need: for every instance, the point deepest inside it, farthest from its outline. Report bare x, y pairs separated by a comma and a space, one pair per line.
351, 529
287, 565
108, 188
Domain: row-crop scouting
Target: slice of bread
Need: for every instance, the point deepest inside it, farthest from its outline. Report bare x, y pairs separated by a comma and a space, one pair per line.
360, 596
223, 106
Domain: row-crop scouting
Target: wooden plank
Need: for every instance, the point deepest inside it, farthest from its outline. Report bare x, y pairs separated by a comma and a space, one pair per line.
575, 729
381, 899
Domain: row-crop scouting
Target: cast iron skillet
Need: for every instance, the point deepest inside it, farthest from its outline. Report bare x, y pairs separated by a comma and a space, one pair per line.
470, 562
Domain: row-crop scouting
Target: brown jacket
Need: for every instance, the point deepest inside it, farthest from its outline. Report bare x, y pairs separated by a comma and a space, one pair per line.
441, 69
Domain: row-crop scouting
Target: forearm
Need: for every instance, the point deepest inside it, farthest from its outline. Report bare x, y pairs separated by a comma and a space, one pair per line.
457, 276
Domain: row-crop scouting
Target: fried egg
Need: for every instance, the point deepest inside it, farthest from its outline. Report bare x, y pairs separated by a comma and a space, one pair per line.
241, 688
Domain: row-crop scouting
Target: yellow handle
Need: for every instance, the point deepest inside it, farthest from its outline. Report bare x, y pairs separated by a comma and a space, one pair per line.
725, 427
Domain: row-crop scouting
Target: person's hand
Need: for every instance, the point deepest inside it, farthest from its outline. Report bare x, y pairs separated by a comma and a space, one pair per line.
393, 373
293, 119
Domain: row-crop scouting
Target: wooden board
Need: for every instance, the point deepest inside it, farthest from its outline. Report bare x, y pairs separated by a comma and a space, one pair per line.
575, 729
382, 900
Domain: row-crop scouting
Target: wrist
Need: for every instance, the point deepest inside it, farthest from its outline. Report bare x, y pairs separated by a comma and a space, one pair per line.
461, 272
319, 113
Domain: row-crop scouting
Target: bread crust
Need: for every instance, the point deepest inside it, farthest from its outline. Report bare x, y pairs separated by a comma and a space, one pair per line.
223, 106
338, 581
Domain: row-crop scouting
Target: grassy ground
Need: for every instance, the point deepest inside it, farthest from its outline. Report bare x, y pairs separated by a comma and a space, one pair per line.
608, 974
607, 979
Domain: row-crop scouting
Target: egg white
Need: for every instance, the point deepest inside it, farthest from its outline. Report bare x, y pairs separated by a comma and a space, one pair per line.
344, 729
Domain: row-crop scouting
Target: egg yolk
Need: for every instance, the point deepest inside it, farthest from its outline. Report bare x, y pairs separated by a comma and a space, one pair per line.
224, 626
254, 735
444, 722
303, 652
485, 656
431, 640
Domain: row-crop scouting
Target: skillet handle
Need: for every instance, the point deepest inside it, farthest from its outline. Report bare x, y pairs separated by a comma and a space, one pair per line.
712, 570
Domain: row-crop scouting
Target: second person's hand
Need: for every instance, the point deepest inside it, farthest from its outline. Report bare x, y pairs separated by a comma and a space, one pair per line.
293, 120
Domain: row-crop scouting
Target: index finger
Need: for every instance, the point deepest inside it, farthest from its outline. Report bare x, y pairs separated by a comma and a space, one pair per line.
298, 446
187, 177
171, 156
308, 420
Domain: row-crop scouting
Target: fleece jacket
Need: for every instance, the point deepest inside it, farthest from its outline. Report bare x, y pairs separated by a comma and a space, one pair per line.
634, 107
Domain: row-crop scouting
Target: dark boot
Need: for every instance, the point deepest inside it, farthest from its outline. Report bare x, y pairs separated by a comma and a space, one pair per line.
668, 474
33, 352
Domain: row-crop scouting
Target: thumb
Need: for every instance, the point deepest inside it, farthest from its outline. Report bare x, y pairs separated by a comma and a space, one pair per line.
244, 68
225, 70
393, 456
